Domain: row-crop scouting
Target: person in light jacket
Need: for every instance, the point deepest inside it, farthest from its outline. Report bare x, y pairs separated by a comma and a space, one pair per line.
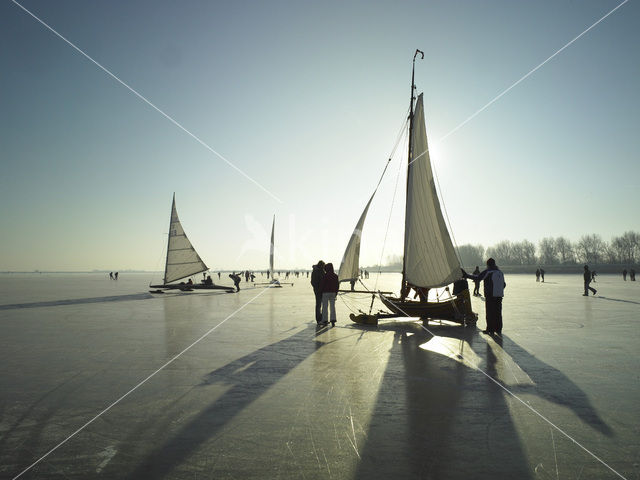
494, 286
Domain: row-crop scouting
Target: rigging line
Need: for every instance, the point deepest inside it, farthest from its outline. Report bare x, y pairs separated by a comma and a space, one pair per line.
142, 382
386, 233
527, 75
141, 97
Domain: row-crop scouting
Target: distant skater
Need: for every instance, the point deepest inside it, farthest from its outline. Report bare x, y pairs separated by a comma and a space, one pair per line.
218, 275
632, 275
542, 274
537, 275
236, 280
494, 286
476, 288
329, 287
587, 281
111, 275
317, 275
624, 274
115, 275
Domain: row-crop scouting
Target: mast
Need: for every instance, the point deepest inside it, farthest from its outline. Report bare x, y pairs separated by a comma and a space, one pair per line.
166, 263
412, 98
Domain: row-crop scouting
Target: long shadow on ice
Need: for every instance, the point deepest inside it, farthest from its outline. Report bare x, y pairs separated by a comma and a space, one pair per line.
78, 301
554, 386
247, 378
435, 416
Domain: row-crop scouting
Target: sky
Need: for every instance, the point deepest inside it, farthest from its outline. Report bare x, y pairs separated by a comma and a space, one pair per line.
307, 99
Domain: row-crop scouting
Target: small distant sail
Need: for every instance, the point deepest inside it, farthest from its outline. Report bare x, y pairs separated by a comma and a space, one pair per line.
273, 225
182, 259
430, 259
350, 265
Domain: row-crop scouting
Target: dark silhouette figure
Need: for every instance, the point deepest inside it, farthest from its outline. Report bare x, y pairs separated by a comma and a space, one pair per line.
632, 275
587, 281
494, 285
111, 275
115, 275
208, 280
537, 275
218, 275
329, 287
317, 275
624, 274
236, 280
542, 274
476, 283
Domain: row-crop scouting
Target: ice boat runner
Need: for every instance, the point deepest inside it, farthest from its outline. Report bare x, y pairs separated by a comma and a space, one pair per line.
429, 259
183, 260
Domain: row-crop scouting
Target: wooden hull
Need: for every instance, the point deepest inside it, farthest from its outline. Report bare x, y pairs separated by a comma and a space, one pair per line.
187, 288
457, 309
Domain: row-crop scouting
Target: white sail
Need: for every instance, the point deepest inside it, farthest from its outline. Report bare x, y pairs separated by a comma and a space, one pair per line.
273, 225
182, 259
350, 265
429, 257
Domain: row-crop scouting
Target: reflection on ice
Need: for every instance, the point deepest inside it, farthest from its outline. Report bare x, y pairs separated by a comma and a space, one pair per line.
454, 348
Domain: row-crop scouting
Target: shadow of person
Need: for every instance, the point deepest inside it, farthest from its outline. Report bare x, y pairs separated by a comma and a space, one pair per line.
247, 378
617, 300
552, 385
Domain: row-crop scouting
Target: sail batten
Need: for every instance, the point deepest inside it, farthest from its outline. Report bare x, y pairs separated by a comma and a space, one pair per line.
182, 258
429, 256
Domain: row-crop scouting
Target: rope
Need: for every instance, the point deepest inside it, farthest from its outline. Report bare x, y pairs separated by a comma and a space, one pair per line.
386, 233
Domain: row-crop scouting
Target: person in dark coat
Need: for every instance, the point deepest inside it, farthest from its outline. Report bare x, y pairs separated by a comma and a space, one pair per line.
494, 285
329, 287
587, 281
236, 280
316, 281
476, 288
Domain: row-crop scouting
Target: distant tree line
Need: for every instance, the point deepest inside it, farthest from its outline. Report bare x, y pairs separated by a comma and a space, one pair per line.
590, 249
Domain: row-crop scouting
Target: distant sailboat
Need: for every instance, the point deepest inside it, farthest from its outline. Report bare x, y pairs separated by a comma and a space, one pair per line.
274, 282
429, 260
183, 260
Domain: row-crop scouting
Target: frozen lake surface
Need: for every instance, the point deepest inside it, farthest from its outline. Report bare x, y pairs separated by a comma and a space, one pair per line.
113, 372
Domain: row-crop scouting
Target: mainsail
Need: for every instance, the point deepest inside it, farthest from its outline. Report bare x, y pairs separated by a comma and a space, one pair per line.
182, 259
429, 256
350, 265
273, 225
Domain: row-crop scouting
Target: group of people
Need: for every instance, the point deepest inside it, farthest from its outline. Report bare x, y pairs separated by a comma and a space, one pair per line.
113, 276
325, 287
540, 274
632, 274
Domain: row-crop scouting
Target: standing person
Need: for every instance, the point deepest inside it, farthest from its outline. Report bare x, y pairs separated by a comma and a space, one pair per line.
587, 281
115, 275
542, 274
236, 280
329, 287
494, 285
476, 288
632, 275
317, 275
537, 275
218, 275
111, 275
624, 274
